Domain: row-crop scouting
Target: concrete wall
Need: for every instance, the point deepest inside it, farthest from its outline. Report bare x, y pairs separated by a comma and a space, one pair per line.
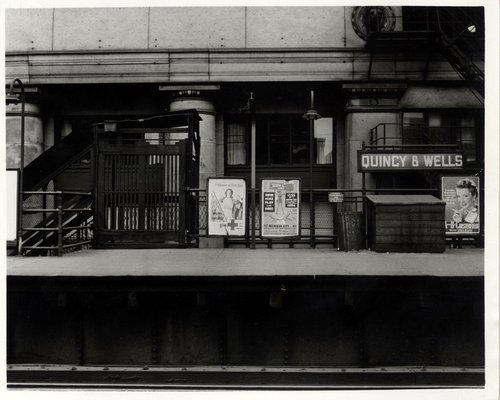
200, 44
358, 126
64, 29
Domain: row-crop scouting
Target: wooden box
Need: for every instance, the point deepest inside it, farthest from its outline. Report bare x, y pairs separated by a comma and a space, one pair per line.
406, 223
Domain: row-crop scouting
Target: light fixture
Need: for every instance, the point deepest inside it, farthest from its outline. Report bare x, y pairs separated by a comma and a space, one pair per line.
311, 114
12, 98
471, 28
110, 126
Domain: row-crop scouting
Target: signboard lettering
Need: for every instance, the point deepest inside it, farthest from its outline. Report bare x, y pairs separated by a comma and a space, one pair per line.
411, 161
335, 197
291, 200
268, 202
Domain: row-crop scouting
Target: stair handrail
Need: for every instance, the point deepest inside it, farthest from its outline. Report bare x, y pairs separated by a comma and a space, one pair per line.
59, 222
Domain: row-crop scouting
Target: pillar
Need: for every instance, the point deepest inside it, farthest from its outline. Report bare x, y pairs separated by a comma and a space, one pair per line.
33, 134
368, 104
194, 99
33, 146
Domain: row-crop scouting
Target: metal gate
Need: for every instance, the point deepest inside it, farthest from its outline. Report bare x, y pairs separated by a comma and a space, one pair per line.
141, 197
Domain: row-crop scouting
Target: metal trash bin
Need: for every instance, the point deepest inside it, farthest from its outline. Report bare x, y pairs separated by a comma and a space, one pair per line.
350, 232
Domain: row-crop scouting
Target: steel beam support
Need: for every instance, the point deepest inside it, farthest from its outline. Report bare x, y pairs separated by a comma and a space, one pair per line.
243, 377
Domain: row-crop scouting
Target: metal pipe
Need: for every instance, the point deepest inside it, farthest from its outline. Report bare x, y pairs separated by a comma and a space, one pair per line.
21, 174
311, 155
311, 115
251, 103
59, 225
13, 98
365, 211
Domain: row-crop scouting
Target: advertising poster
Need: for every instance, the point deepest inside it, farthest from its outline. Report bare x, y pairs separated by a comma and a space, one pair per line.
462, 213
226, 200
11, 177
280, 208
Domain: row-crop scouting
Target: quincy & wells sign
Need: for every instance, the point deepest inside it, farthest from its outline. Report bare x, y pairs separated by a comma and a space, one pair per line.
383, 161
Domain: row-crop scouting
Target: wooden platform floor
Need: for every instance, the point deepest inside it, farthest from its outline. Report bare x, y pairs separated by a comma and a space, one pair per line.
466, 262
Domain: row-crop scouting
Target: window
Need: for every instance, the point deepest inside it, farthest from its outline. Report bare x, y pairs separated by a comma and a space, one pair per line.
323, 135
281, 139
444, 127
279, 134
236, 153
467, 128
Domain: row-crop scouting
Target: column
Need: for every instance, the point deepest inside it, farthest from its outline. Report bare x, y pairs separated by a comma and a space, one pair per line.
33, 134
195, 99
368, 105
192, 99
33, 147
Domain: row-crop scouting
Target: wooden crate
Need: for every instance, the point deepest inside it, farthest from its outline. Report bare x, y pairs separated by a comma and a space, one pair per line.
406, 223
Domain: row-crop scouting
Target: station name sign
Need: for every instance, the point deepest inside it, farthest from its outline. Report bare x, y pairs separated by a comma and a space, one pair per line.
384, 161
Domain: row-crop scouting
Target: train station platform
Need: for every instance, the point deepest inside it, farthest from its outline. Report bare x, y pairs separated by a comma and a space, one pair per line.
465, 262
242, 318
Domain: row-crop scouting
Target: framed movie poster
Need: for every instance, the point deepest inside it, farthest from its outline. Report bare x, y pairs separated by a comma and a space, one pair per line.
280, 208
226, 202
462, 214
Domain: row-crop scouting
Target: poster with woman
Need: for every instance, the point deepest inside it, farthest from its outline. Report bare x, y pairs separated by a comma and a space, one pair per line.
461, 195
226, 201
280, 208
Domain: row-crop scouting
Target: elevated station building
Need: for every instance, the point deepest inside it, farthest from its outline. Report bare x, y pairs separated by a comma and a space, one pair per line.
126, 113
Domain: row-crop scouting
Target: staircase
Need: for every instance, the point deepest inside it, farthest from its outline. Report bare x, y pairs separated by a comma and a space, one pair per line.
460, 38
55, 160
64, 225
55, 222
456, 32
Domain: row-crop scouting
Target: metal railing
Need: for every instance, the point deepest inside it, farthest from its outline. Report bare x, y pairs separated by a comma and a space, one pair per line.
394, 134
56, 222
320, 223
456, 32
322, 213
456, 24
461, 28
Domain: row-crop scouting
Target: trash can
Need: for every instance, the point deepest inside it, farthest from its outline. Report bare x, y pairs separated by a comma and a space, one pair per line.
350, 232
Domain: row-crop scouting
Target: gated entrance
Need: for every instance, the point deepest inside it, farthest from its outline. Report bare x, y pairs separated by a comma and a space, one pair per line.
143, 170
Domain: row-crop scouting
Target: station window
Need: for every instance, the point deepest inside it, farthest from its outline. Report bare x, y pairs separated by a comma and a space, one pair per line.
281, 139
446, 127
